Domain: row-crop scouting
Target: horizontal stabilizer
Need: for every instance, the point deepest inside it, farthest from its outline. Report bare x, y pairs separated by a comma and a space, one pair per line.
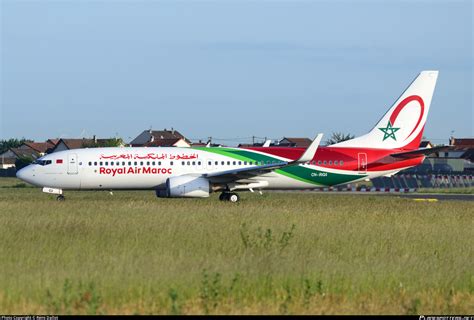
419, 152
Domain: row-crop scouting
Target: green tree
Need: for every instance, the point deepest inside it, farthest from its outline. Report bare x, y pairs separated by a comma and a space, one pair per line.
23, 161
339, 137
113, 142
12, 143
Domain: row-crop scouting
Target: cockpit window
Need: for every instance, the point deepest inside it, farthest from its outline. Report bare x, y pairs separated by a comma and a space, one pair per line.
42, 162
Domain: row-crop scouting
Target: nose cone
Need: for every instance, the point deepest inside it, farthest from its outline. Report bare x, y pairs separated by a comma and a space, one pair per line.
25, 174
20, 174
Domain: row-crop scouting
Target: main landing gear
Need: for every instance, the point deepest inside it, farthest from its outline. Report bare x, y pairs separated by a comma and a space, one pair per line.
229, 196
60, 198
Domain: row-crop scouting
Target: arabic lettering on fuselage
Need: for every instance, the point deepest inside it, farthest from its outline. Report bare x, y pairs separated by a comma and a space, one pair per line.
152, 156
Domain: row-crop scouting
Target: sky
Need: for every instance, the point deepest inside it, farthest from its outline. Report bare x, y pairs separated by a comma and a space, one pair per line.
229, 70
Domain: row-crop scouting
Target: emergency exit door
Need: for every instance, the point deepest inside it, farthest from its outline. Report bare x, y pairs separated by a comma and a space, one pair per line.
362, 162
72, 163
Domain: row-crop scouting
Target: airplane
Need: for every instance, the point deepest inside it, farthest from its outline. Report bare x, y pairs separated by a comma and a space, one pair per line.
196, 172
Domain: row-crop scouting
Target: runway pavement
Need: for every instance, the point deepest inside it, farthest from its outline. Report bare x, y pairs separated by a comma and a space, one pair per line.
415, 196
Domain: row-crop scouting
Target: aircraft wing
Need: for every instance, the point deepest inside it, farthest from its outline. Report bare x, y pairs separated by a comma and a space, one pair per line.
419, 152
253, 171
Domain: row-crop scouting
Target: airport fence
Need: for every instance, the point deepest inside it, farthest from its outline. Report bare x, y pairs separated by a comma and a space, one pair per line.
10, 172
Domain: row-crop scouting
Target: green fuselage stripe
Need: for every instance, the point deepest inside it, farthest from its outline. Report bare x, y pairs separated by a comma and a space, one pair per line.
301, 173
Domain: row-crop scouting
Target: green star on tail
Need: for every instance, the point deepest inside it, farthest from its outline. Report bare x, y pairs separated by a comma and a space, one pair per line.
389, 132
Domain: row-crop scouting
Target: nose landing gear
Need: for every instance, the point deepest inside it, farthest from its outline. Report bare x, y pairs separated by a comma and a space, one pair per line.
59, 192
229, 196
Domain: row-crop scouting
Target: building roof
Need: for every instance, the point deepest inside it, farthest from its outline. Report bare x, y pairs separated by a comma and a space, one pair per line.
27, 152
75, 143
80, 143
41, 147
163, 142
297, 142
153, 135
53, 141
463, 142
167, 134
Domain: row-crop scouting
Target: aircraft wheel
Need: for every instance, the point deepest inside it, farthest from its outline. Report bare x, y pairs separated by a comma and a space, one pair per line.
60, 198
223, 196
233, 197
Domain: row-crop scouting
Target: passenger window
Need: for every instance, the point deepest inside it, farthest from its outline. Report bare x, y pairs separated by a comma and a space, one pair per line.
209, 163
141, 163
245, 163
95, 163
320, 162
341, 162
199, 163
135, 163
240, 163
330, 162
194, 163
222, 163
100, 163
325, 162
90, 163
183, 163
171, 163
233, 162
123, 163
189, 163
159, 163
336, 162
148, 163
216, 163
106, 163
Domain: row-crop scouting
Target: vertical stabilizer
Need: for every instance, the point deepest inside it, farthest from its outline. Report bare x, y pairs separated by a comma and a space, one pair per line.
402, 126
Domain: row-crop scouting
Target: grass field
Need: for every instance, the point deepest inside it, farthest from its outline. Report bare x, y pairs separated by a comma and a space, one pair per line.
288, 253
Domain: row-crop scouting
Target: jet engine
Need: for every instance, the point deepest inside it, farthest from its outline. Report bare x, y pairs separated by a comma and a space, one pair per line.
185, 187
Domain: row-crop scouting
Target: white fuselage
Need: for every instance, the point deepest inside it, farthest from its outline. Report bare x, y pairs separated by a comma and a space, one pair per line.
136, 168
152, 167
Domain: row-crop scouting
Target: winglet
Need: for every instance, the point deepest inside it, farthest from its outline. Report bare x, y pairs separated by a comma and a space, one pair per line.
308, 155
267, 143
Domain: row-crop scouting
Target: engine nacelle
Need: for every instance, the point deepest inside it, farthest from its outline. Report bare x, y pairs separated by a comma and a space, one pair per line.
185, 186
